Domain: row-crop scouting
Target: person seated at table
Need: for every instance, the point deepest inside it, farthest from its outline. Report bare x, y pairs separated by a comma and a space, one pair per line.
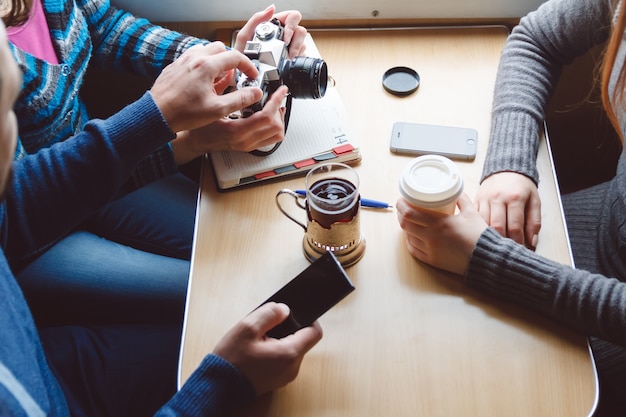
121, 369
592, 297
130, 260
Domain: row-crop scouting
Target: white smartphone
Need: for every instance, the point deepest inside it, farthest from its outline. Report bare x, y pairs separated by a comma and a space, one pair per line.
421, 139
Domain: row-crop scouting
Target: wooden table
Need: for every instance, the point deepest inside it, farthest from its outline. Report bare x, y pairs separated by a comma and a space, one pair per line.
411, 340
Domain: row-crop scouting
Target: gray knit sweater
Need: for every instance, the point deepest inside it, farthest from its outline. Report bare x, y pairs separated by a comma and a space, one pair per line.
531, 63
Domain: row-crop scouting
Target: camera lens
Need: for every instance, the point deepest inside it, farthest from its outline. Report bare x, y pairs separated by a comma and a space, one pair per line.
306, 77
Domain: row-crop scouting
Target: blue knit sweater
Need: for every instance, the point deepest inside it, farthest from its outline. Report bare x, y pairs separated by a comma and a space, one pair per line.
52, 191
86, 33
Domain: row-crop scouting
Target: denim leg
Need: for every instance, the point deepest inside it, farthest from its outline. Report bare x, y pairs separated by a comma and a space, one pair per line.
114, 371
87, 279
158, 218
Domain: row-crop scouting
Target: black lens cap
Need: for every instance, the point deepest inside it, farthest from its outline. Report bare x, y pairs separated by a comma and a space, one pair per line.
401, 81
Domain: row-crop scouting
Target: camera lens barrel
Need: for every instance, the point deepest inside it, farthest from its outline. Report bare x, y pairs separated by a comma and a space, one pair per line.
306, 77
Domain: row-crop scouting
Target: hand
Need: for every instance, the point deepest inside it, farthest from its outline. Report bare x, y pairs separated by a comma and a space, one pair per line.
189, 90
268, 363
293, 33
263, 128
443, 241
509, 202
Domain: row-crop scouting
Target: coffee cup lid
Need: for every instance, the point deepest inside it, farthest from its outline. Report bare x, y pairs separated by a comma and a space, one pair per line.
431, 181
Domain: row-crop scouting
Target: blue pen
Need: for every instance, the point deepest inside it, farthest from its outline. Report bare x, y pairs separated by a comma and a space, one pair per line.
365, 202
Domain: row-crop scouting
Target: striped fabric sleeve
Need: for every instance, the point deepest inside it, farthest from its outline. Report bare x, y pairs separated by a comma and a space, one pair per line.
129, 43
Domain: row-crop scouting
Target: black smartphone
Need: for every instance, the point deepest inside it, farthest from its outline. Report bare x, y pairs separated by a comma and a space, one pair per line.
421, 139
311, 293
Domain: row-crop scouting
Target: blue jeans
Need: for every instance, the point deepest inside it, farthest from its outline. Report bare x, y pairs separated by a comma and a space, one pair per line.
127, 263
113, 370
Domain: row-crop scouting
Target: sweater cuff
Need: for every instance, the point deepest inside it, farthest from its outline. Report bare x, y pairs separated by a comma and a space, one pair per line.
513, 145
504, 269
215, 388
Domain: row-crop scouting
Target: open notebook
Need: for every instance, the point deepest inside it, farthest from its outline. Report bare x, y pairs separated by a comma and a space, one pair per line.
319, 131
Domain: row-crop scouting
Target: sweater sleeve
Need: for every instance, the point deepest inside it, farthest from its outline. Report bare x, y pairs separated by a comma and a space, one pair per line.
70, 180
536, 51
589, 303
132, 44
215, 389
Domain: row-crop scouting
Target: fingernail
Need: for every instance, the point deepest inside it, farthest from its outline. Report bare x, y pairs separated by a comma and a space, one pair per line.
535, 240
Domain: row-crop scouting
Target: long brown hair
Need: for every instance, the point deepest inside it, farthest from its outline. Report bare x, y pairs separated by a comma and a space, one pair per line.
617, 99
17, 12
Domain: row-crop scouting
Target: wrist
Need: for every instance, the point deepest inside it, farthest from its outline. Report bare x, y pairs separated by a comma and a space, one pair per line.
180, 149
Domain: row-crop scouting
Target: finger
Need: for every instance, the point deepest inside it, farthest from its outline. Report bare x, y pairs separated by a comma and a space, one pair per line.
239, 99
465, 203
419, 216
244, 64
533, 222
416, 252
497, 218
305, 338
275, 101
224, 81
247, 31
297, 46
515, 221
290, 20
221, 60
215, 47
407, 213
484, 210
268, 142
268, 316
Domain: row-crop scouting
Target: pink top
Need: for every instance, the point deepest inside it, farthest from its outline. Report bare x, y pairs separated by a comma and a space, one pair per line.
33, 36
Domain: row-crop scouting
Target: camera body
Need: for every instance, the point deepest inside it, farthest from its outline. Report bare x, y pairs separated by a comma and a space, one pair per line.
305, 77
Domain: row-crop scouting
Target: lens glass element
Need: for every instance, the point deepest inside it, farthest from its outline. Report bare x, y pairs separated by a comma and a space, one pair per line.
306, 77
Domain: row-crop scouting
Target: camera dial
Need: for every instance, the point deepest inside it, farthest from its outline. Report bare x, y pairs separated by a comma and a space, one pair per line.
268, 30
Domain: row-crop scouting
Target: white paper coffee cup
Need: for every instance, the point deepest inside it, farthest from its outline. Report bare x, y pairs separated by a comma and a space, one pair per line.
433, 182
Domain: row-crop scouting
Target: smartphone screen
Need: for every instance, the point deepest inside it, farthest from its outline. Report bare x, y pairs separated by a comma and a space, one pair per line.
311, 293
421, 139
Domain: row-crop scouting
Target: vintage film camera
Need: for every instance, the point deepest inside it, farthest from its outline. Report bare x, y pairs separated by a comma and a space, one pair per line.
305, 77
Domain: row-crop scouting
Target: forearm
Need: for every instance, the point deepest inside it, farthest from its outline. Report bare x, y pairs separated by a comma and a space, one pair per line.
530, 66
590, 303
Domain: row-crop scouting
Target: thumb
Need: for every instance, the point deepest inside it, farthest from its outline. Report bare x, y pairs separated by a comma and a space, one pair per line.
464, 203
240, 99
269, 315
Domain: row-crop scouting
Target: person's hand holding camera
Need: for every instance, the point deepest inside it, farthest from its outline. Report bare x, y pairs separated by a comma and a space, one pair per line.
267, 362
189, 90
263, 128
293, 34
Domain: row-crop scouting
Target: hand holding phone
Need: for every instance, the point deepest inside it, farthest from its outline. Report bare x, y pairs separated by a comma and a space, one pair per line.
311, 293
422, 139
